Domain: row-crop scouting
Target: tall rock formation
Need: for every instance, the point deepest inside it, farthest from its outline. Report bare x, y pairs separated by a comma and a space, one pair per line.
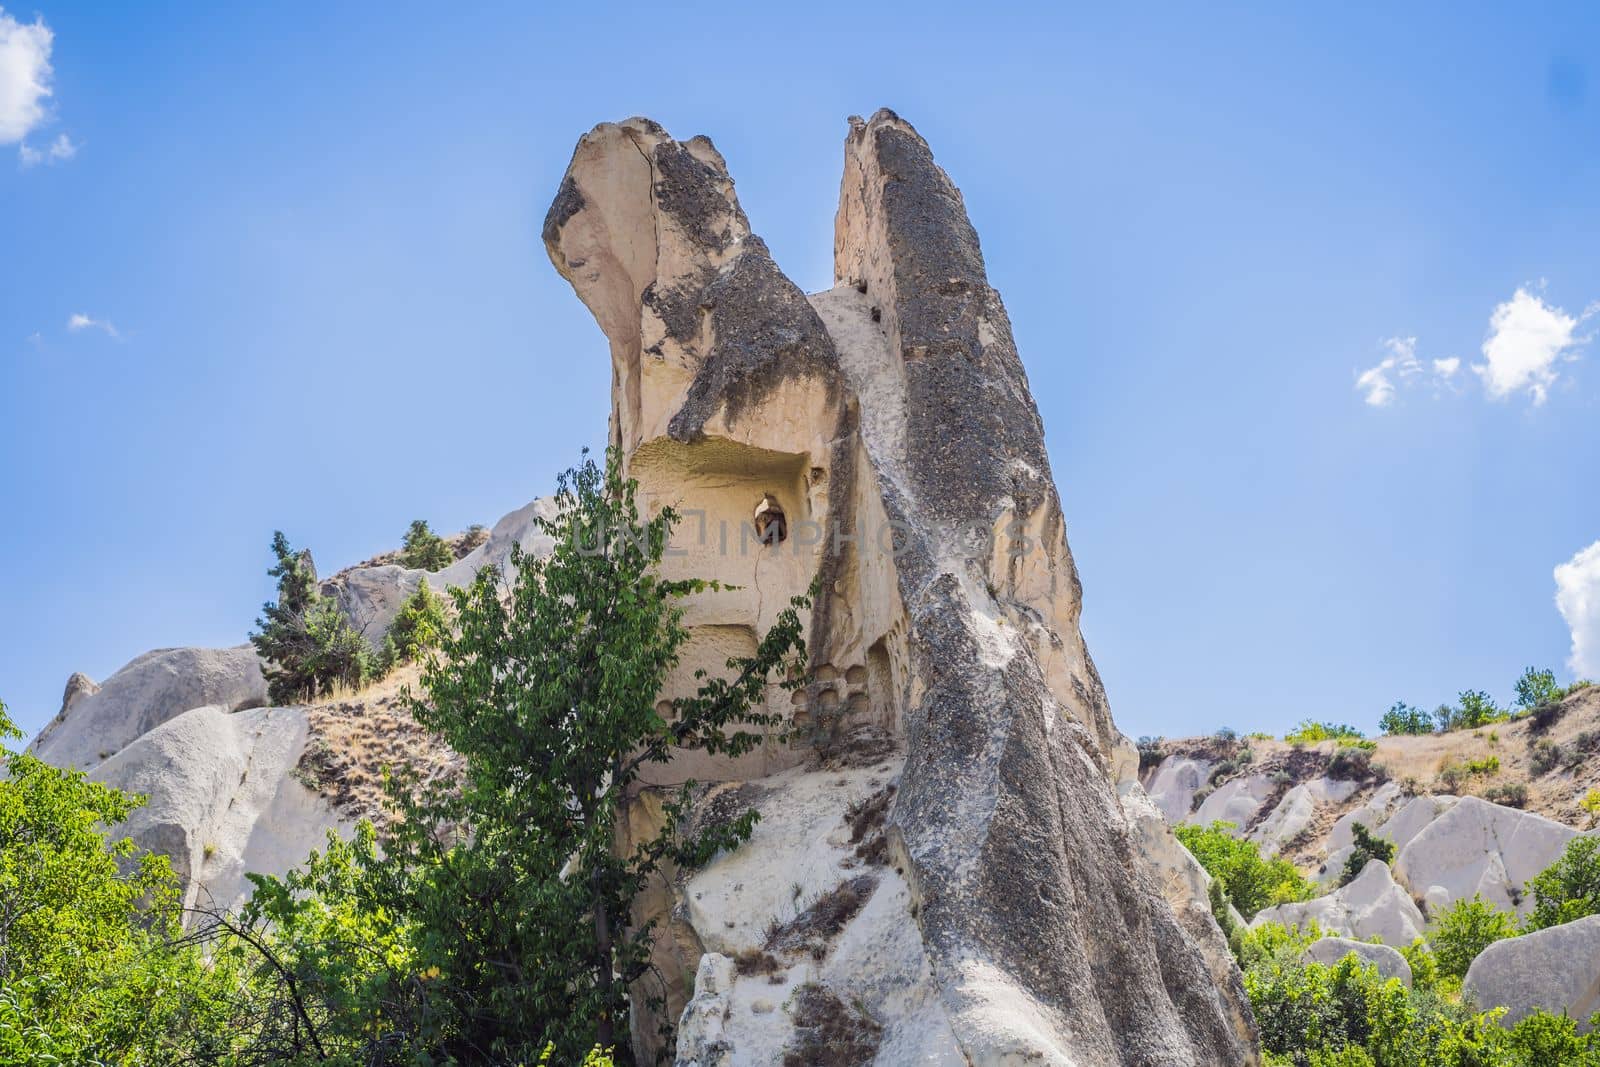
1022, 914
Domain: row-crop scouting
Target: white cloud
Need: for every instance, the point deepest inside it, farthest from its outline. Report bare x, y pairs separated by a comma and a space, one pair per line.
1578, 600
1402, 361
24, 76
1446, 368
79, 321
1526, 339
59, 150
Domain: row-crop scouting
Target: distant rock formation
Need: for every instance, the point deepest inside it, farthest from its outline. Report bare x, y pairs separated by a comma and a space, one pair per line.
1019, 916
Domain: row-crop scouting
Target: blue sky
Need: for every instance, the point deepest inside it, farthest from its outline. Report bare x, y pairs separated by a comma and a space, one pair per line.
279, 267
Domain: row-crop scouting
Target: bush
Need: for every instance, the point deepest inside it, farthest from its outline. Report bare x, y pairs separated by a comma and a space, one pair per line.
1511, 794
1404, 719
1310, 732
1544, 757
1536, 688
1465, 929
417, 627
1487, 765
1368, 847
307, 643
1226, 734
1569, 888
1352, 765
1150, 752
1591, 805
424, 550
1476, 708
1250, 880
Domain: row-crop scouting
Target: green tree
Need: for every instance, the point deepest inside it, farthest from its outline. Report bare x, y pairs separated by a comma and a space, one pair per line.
422, 549
1366, 848
90, 968
1251, 881
1569, 888
1474, 708
1537, 688
1464, 930
417, 627
548, 691
1310, 731
308, 645
551, 699
1405, 719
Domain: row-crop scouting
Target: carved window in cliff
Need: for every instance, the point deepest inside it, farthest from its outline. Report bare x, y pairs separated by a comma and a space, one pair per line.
772, 526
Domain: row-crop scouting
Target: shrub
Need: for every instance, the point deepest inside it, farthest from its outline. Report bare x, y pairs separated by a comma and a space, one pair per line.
417, 627
1227, 734
1476, 708
307, 643
1465, 929
1404, 719
1569, 888
1511, 794
1251, 881
1544, 757
477, 534
1368, 847
1309, 732
1150, 752
1352, 765
1536, 688
1591, 805
422, 549
1487, 765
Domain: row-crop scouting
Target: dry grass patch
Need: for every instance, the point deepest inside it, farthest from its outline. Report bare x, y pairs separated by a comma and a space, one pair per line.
829, 1032
813, 930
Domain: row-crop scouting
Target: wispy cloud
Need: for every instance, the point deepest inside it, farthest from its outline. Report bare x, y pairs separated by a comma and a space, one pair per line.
58, 151
1379, 383
79, 322
1578, 600
1527, 339
1446, 368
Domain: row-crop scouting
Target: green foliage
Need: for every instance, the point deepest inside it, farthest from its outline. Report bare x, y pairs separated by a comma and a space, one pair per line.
550, 700
1465, 929
1352, 762
1346, 1014
1511, 794
1150, 752
1569, 888
417, 627
1536, 688
1591, 805
1544, 757
308, 645
1251, 881
422, 549
1486, 765
88, 973
1310, 732
1367, 847
1475, 708
1404, 719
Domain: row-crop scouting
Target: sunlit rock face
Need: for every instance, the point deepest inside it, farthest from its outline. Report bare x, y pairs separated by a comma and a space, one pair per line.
880, 439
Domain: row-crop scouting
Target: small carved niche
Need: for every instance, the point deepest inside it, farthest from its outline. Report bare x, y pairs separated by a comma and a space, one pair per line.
772, 526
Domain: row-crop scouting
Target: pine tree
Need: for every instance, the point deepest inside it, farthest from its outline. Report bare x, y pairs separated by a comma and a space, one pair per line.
422, 549
308, 645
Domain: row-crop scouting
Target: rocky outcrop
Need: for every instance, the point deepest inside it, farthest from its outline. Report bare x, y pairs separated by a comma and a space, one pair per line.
889, 422
96, 724
1370, 906
1294, 813
1390, 964
222, 798
1557, 969
1475, 847
1174, 783
370, 597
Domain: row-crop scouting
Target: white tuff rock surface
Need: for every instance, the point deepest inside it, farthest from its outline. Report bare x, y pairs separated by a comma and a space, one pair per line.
1557, 969
1478, 847
1370, 906
155, 687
